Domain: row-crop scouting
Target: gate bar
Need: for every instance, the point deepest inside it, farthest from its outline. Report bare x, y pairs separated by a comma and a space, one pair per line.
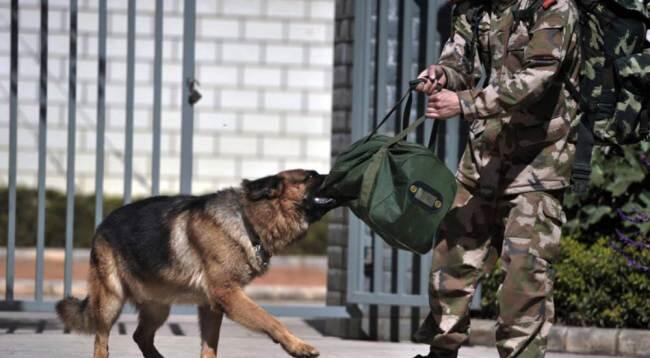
72, 138
157, 88
359, 127
430, 56
405, 76
42, 155
431, 50
187, 126
13, 134
101, 114
380, 108
130, 69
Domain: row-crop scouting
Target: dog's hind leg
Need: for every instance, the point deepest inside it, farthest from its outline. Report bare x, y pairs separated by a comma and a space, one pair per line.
105, 294
210, 323
241, 309
106, 307
150, 318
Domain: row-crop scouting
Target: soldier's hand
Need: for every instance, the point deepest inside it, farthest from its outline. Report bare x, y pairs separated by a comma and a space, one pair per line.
435, 80
442, 105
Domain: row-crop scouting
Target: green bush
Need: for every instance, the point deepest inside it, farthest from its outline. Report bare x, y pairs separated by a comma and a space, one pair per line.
594, 286
55, 217
617, 182
84, 221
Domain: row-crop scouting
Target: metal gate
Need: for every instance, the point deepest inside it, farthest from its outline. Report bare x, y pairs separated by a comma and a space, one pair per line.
189, 96
393, 41
38, 303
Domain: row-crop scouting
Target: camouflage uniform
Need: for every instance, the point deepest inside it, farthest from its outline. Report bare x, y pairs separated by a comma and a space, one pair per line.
512, 174
625, 42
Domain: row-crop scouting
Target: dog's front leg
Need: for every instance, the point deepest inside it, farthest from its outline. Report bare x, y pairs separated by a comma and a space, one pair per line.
210, 324
241, 309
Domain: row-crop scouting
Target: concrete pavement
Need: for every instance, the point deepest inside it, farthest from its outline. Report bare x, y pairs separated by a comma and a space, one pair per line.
40, 335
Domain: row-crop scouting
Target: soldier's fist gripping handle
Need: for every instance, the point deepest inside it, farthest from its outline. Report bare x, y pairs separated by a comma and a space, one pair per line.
434, 80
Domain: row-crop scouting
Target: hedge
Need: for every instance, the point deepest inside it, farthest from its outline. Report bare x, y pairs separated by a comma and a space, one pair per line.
26, 217
594, 286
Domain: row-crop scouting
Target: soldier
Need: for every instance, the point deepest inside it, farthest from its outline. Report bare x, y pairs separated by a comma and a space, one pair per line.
514, 170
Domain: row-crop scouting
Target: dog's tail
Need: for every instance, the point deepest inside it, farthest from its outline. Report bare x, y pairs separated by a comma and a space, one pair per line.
75, 314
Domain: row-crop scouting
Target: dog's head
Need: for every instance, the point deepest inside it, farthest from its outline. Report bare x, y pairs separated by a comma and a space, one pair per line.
297, 188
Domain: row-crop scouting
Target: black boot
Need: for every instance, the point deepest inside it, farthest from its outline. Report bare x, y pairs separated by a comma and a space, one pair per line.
435, 355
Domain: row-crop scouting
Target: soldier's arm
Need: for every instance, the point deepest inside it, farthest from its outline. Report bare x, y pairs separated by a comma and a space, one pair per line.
552, 35
454, 59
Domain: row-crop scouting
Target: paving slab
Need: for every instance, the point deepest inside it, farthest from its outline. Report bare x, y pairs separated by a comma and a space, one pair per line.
40, 335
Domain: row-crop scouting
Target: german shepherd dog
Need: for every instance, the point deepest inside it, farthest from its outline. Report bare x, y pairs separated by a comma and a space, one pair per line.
199, 250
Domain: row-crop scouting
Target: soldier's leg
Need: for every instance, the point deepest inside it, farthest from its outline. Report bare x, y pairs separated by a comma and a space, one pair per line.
459, 257
531, 243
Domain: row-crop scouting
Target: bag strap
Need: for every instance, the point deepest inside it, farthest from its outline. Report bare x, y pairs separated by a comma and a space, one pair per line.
526, 15
408, 97
401, 135
434, 135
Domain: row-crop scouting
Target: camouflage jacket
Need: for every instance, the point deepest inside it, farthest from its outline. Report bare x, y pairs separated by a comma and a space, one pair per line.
628, 43
522, 115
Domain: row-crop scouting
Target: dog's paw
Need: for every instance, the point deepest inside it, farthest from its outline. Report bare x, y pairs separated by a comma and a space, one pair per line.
301, 349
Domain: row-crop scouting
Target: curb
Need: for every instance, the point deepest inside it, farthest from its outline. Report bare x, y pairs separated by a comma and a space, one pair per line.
54, 289
580, 340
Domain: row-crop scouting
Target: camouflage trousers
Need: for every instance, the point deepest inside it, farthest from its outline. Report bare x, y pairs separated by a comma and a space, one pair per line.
524, 229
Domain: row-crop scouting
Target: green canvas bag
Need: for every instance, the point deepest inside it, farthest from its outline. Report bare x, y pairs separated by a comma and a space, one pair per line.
401, 190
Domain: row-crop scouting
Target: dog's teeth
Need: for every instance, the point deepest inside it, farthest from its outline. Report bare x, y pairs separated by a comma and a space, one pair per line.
323, 201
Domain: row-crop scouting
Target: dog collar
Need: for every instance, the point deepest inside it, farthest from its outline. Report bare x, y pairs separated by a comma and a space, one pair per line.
263, 256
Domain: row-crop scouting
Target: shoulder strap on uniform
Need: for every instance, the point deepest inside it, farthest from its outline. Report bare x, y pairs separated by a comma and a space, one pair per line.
527, 15
474, 15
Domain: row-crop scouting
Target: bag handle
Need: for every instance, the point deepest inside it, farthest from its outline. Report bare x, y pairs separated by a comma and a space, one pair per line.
408, 97
406, 129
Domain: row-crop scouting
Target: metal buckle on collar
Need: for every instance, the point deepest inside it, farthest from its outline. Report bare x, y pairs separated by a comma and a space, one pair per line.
261, 254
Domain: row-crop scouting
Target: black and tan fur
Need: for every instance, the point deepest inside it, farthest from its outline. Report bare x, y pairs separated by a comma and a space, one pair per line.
197, 250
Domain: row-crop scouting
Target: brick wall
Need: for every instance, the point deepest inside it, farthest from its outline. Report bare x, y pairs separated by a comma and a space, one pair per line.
265, 68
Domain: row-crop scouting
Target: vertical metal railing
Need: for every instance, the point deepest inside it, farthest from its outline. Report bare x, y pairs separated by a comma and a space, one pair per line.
13, 137
406, 73
128, 133
359, 127
72, 139
381, 59
101, 114
42, 154
431, 56
157, 95
187, 128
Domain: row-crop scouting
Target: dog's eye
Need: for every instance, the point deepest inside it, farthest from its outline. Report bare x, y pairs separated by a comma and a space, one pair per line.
308, 176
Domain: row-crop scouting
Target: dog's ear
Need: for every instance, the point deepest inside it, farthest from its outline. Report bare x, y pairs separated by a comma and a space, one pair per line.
265, 188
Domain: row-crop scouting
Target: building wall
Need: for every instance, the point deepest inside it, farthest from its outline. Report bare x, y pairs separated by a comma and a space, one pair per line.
265, 68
